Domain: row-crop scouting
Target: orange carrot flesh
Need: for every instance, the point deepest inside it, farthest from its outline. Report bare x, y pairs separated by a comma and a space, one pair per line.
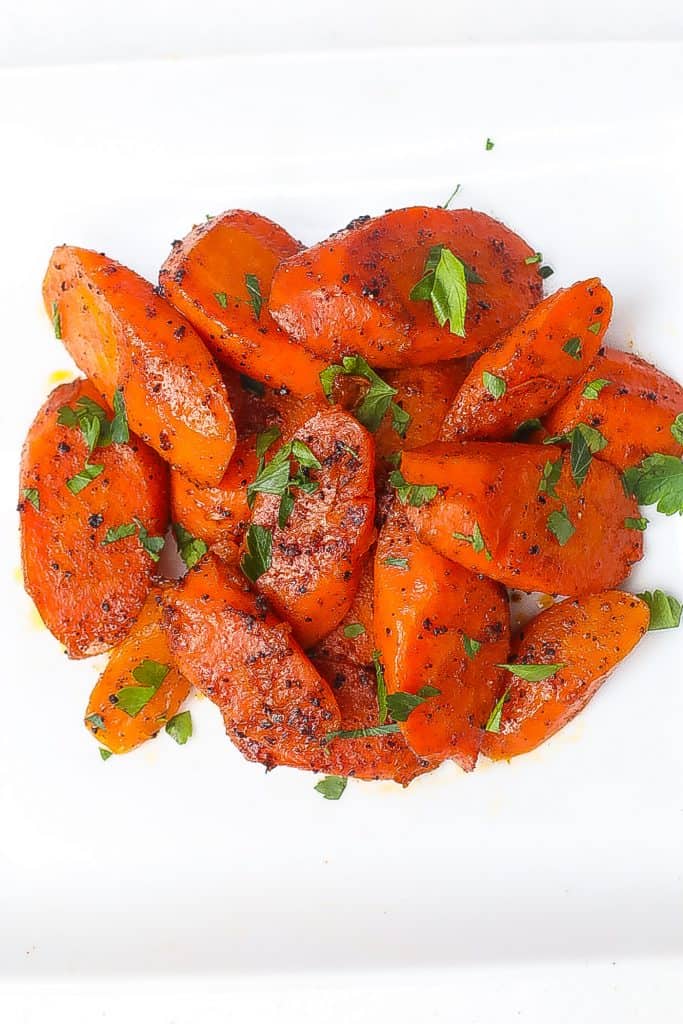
529, 370
426, 394
588, 636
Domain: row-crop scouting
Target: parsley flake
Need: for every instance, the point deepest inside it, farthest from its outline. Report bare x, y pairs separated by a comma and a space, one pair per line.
412, 494
353, 630
398, 563
331, 787
445, 284
545, 272
532, 673
595, 328
451, 197
493, 723
632, 523
550, 478
362, 734
477, 541
573, 347
104, 753
527, 427
471, 646
81, 480
377, 400
489, 145
495, 386
258, 557
536, 258
401, 705
677, 428
665, 611
179, 727
222, 299
191, 549
255, 297
658, 480
584, 442
31, 495
56, 321
561, 526
381, 687
96, 721
594, 387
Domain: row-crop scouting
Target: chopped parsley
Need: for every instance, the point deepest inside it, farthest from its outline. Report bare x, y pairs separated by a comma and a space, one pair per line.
381, 687
222, 299
561, 526
150, 675
493, 723
255, 297
550, 477
412, 494
56, 321
401, 705
445, 284
584, 442
353, 630
639, 523
545, 272
658, 480
536, 258
665, 611
152, 545
397, 563
527, 427
677, 428
532, 673
191, 549
573, 347
594, 387
104, 753
495, 386
255, 386
489, 145
276, 476
477, 541
31, 495
377, 400
362, 734
98, 432
471, 646
179, 727
85, 476
331, 787
451, 197
96, 721
258, 557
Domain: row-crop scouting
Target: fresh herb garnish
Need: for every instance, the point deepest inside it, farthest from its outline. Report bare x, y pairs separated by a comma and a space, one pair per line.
331, 787
98, 432
573, 348
150, 674
83, 478
265, 439
677, 428
222, 299
476, 539
412, 494
595, 328
353, 630
255, 386
657, 480
451, 197
550, 478
398, 563
584, 442
561, 526
96, 721
489, 144
152, 545
445, 284
376, 401
401, 705
532, 673
191, 549
471, 646
493, 723
56, 321
536, 258
665, 611
276, 477
544, 272
495, 386
632, 523
361, 734
120, 433
258, 557
115, 533
527, 427
104, 753
255, 297
179, 727
381, 687
31, 495
594, 387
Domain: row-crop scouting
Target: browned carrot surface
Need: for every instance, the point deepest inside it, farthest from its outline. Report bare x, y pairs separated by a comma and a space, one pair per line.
123, 720
354, 638
351, 293
219, 276
122, 334
492, 491
525, 373
426, 394
88, 593
631, 403
587, 637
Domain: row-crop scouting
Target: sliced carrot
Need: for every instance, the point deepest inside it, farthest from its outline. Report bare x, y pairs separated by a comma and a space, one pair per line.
426, 394
587, 637
490, 494
351, 293
122, 334
88, 593
116, 728
354, 638
631, 403
440, 626
317, 556
526, 372
213, 277
276, 707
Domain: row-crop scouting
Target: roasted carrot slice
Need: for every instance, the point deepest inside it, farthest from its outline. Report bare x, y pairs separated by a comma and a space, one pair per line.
425, 393
122, 334
524, 374
140, 690
384, 756
442, 627
317, 556
515, 513
631, 403
276, 707
219, 277
88, 593
351, 293
354, 638
586, 638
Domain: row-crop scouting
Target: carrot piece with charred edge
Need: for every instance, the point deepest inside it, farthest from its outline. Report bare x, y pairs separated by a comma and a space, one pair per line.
113, 727
351, 293
634, 411
534, 365
122, 334
317, 557
88, 595
205, 278
489, 493
386, 756
426, 609
359, 619
426, 394
276, 707
589, 636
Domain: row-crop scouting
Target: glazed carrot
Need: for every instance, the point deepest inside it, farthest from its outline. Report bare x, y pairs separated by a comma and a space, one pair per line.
631, 403
88, 594
122, 334
317, 556
120, 720
354, 638
257, 407
529, 370
588, 637
517, 533
276, 707
439, 625
219, 277
351, 293
386, 756
426, 394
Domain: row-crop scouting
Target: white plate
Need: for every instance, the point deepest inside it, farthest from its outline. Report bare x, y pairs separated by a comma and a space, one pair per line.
191, 863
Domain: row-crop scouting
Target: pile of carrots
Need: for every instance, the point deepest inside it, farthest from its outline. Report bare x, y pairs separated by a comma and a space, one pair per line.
355, 449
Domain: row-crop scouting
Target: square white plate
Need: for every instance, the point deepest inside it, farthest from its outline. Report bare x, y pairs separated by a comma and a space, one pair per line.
190, 866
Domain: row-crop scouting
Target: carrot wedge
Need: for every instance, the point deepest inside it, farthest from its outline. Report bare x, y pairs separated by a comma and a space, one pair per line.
438, 625
586, 638
122, 721
528, 371
352, 292
219, 277
122, 334
499, 512
631, 403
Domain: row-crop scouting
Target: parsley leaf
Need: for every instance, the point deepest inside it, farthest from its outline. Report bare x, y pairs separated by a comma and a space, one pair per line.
573, 348
445, 283
255, 297
276, 477
471, 646
493, 723
152, 545
532, 673
561, 526
376, 401
83, 478
115, 533
56, 321
595, 328
331, 787
151, 673
677, 428
179, 727
361, 734
259, 554
353, 630
584, 442
120, 433
495, 386
477, 541
451, 197
527, 427
401, 705
658, 480
594, 387
96, 721
398, 563
31, 495
265, 439
635, 524
665, 611
222, 299
104, 753
381, 687
536, 258
550, 478
255, 386
544, 272
191, 549
412, 494
489, 145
